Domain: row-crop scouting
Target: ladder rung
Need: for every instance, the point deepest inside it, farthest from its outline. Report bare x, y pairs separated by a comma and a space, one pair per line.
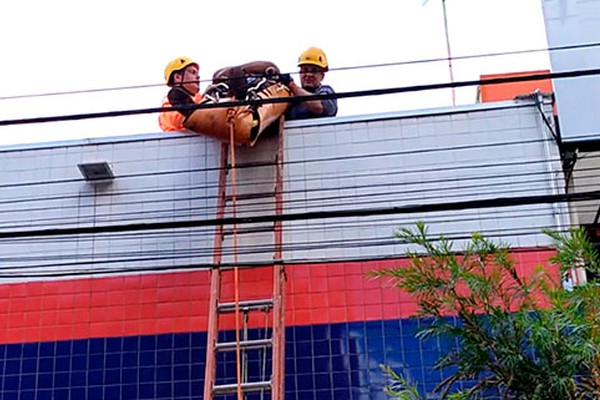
241, 231
246, 387
248, 305
244, 344
251, 164
251, 196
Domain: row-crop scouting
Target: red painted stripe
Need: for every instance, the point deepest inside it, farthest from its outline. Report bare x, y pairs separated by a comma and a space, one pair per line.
178, 302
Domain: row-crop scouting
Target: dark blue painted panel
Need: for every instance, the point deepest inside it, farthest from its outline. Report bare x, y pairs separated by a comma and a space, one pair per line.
338, 362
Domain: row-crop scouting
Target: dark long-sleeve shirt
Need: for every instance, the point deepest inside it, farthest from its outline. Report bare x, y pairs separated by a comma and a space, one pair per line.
300, 111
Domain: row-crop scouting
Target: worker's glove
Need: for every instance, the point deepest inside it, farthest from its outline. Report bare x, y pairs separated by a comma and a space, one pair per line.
286, 79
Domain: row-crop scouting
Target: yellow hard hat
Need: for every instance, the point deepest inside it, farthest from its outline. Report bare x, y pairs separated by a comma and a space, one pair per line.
313, 56
177, 64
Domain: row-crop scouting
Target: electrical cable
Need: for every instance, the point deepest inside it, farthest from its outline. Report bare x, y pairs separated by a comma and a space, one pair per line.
307, 161
388, 184
366, 66
404, 209
308, 227
329, 244
256, 165
355, 199
500, 233
585, 196
340, 95
125, 257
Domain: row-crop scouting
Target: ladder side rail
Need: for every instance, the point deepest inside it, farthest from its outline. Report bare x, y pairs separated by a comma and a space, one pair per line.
210, 370
236, 270
276, 383
221, 203
278, 369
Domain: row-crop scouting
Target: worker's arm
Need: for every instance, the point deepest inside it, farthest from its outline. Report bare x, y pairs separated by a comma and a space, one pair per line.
315, 106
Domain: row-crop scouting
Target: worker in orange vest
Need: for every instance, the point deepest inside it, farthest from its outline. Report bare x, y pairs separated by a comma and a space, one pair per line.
182, 75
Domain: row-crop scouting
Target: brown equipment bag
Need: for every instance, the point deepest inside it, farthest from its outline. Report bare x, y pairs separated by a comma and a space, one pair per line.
251, 81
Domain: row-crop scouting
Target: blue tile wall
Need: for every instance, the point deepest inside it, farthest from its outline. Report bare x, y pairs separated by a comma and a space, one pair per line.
338, 361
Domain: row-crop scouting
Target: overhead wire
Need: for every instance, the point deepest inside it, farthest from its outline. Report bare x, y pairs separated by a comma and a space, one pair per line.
403, 186
573, 197
124, 257
338, 95
293, 229
488, 187
320, 245
467, 215
550, 49
288, 162
100, 256
323, 215
307, 227
61, 268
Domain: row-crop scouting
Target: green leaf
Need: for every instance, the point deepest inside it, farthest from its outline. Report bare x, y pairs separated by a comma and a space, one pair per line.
525, 337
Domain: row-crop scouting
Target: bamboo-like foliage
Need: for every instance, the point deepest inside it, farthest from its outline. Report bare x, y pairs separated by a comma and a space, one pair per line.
523, 337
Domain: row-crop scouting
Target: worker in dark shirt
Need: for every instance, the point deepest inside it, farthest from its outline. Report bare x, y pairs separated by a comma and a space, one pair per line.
313, 65
182, 75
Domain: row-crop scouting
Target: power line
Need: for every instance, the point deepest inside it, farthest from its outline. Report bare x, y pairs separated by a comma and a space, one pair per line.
407, 209
419, 194
17, 272
365, 242
347, 68
303, 161
157, 255
340, 95
321, 160
404, 186
308, 227
374, 240
405, 172
322, 190
296, 246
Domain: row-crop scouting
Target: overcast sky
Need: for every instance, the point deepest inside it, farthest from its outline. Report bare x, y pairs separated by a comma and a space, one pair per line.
74, 45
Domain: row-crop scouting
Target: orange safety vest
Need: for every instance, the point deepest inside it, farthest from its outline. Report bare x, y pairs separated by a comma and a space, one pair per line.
172, 121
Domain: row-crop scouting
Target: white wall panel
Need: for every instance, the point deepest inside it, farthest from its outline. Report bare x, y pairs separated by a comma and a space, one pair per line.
331, 165
451, 157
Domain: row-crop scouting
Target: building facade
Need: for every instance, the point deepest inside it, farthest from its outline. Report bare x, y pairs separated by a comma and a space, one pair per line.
105, 284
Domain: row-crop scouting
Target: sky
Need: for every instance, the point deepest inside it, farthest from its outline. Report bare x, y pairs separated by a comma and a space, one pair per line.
80, 46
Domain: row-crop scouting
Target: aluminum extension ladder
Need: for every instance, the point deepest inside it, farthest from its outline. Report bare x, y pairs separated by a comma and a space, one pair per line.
272, 308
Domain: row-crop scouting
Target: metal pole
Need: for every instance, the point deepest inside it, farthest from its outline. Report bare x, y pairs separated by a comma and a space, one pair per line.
449, 52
